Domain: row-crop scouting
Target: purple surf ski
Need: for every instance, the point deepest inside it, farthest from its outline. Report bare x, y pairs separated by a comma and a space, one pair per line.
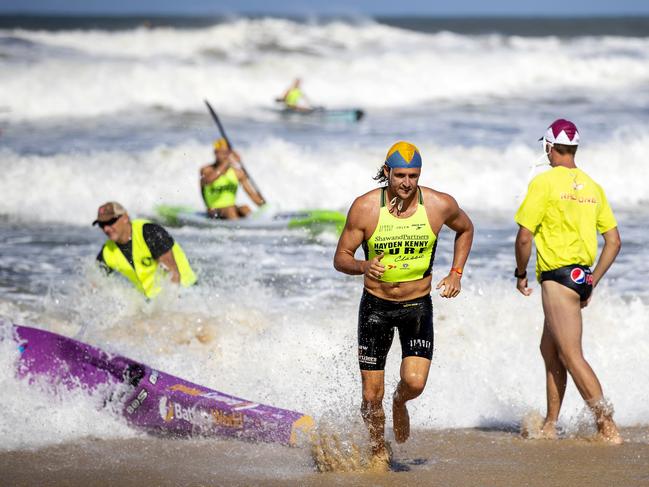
156, 402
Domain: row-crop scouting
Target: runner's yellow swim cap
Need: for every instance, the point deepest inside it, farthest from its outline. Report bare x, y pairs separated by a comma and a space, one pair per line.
403, 154
221, 144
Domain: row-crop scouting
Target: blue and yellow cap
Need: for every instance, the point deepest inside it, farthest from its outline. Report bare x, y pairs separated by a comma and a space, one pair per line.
403, 154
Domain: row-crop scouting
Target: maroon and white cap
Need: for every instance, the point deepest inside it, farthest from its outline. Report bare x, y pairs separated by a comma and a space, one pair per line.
562, 131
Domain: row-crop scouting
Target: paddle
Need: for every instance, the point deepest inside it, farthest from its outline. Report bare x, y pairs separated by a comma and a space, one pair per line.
224, 135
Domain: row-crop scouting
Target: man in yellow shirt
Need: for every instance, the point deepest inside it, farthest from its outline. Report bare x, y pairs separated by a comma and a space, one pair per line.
562, 212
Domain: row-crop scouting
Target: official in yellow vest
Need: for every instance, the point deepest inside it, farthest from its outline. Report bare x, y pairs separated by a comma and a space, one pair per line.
397, 226
141, 251
220, 182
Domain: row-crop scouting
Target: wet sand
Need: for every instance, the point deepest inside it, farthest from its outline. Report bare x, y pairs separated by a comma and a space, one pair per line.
464, 457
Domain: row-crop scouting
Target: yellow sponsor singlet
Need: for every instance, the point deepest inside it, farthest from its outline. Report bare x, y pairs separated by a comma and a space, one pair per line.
222, 192
408, 243
144, 275
293, 97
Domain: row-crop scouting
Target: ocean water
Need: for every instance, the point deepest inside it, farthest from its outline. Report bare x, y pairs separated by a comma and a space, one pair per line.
94, 110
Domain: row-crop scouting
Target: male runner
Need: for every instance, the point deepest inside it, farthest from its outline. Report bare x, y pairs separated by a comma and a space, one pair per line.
398, 225
562, 212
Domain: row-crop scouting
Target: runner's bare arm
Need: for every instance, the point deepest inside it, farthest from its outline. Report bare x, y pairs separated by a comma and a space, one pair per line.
461, 224
612, 245
351, 238
523, 249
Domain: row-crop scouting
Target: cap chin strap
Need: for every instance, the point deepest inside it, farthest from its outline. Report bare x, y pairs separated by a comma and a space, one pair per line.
542, 160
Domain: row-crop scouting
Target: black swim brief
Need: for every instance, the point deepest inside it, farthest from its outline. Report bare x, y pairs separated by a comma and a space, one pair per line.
577, 277
377, 319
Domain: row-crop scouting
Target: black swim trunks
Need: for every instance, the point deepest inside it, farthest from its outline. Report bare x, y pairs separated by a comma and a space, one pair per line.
577, 277
377, 319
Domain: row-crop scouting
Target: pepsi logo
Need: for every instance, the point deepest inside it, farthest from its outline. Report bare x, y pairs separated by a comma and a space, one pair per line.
578, 275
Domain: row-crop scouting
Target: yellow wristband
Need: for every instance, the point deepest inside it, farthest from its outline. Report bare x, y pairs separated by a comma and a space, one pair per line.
457, 270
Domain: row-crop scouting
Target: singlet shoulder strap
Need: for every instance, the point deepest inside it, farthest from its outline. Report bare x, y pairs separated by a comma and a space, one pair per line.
421, 196
382, 197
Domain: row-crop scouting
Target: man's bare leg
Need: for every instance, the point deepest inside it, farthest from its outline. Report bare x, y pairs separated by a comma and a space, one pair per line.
414, 374
555, 380
563, 319
372, 411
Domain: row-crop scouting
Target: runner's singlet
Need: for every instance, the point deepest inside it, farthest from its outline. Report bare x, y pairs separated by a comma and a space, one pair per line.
408, 243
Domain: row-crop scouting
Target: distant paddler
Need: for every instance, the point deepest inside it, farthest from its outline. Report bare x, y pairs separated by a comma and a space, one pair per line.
220, 182
142, 251
295, 99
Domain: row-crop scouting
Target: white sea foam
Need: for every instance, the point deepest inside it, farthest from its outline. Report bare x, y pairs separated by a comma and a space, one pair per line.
39, 414
245, 63
69, 187
487, 370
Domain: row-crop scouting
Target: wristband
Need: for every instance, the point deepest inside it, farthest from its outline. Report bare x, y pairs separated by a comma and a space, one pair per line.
457, 270
522, 275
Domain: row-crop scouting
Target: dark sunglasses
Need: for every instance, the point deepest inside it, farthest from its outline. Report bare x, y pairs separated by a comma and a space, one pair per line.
109, 223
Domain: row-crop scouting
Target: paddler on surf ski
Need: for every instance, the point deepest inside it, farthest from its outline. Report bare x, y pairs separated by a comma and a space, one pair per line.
295, 99
220, 181
141, 251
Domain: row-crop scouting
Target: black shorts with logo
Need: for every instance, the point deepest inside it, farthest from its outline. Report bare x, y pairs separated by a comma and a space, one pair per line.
577, 277
377, 319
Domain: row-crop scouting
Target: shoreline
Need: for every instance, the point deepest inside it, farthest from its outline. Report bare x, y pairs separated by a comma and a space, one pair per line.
462, 457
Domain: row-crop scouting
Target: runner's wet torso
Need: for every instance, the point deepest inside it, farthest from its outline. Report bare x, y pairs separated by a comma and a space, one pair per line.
409, 246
